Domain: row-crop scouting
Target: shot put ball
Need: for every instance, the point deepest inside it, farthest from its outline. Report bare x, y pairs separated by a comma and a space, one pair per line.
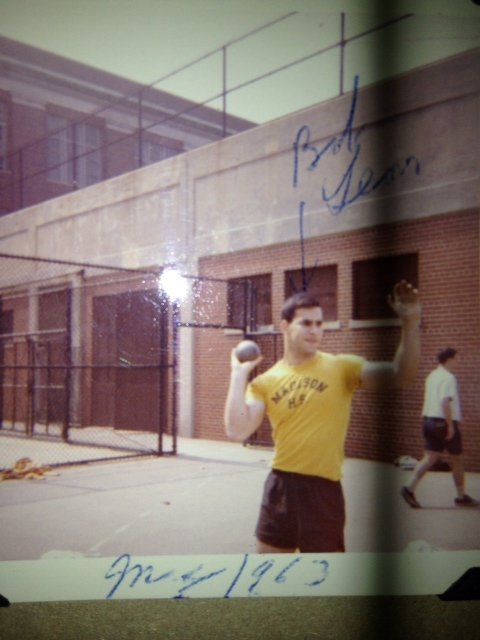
247, 350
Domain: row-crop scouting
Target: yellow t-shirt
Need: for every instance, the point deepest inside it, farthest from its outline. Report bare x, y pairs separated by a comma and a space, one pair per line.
309, 410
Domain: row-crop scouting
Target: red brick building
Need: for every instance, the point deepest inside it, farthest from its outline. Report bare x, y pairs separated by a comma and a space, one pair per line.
442, 254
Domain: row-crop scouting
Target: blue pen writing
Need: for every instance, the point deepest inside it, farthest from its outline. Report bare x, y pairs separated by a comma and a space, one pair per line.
325, 573
135, 573
192, 581
348, 188
237, 576
282, 576
302, 140
258, 574
248, 577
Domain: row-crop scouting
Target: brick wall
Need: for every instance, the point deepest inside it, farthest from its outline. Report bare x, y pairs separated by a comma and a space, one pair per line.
383, 426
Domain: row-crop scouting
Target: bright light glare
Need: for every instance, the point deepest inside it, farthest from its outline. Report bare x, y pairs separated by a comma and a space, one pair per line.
174, 285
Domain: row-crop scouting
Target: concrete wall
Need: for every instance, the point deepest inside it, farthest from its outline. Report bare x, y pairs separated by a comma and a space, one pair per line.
406, 149
239, 193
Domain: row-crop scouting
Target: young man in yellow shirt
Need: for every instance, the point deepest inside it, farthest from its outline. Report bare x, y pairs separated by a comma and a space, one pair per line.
307, 396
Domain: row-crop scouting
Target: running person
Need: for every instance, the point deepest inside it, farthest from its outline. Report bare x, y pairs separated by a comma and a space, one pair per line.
441, 429
307, 397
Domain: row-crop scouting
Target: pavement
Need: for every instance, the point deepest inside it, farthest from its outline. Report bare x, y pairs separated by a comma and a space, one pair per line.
205, 500
86, 444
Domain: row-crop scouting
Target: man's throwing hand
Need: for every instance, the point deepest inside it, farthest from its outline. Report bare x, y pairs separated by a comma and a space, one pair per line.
247, 366
405, 300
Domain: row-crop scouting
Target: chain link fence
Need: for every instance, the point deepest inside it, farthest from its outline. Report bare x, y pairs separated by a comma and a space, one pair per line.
87, 369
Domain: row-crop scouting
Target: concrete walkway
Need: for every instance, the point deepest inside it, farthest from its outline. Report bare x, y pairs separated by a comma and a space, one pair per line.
205, 501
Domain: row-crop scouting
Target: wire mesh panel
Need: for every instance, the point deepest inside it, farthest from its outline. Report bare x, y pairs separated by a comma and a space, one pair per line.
86, 362
34, 382
222, 312
215, 304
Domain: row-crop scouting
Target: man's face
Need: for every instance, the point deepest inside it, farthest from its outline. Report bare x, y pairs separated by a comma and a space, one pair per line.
304, 333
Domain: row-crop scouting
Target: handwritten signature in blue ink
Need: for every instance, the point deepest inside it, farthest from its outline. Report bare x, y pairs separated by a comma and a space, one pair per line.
241, 579
346, 192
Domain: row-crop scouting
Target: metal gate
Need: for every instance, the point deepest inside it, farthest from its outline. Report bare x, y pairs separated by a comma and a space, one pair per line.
87, 362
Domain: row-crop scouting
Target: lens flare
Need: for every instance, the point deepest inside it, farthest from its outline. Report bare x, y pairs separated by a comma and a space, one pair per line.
174, 285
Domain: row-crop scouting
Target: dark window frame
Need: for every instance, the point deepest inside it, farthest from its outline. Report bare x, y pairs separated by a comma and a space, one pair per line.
73, 159
374, 278
249, 301
321, 281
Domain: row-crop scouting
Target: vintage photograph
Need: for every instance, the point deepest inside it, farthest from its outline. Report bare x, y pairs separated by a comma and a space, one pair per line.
239, 278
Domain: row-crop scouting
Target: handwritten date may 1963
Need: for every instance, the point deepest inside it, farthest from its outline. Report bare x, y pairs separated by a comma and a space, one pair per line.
241, 576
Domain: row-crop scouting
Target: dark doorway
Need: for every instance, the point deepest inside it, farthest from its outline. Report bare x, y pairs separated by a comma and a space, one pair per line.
129, 332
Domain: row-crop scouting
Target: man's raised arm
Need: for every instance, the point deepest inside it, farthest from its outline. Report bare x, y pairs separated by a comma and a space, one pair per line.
402, 371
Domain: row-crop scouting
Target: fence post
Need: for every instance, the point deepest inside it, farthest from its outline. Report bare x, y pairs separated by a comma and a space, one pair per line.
175, 354
68, 367
30, 417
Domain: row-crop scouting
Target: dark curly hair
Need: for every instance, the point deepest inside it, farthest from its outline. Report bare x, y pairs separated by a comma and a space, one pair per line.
301, 300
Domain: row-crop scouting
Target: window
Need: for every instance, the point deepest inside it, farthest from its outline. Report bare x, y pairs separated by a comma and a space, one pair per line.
3, 137
156, 151
374, 279
250, 302
88, 161
59, 150
321, 282
74, 155
6, 324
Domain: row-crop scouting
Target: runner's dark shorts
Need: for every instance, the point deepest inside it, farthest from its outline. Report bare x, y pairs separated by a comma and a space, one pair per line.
435, 431
302, 512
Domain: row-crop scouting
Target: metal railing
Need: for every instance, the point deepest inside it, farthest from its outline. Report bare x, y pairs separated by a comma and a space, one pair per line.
23, 164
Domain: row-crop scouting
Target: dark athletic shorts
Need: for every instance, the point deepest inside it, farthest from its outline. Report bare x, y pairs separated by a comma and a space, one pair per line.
435, 431
302, 512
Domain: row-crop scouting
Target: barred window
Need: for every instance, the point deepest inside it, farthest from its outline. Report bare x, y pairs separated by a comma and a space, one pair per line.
250, 301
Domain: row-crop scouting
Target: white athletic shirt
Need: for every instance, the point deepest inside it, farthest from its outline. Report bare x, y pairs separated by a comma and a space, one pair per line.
441, 384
